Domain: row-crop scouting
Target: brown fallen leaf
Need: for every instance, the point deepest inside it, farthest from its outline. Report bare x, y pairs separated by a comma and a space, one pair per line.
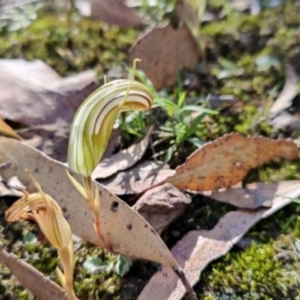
115, 12
162, 205
137, 179
52, 139
198, 248
124, 229
40, 286
252, 196
286, 121
6, 130
123, 159
164, 51
289, 92
227, 160
34, 94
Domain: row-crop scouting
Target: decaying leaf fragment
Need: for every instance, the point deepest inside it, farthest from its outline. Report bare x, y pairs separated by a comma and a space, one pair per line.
164, 51
122, 160
252, 196
227, 160
31, 278
34, 94
115, 12
198, 248
137, 179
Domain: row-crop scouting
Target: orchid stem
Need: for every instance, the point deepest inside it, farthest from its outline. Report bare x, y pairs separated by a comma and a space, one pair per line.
94, 202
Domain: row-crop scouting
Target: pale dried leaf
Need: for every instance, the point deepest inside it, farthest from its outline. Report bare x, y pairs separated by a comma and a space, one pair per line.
286, 121
162, 205
115, 12
6, 130
6, 190
122, 160
123, 228
227, 160
252, 196
52, 139
137, 179
164, 51
40, 286
33, 94
289, 92
198, 248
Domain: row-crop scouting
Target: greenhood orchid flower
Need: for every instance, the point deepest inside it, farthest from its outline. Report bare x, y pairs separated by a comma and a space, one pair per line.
91, 130
45, 211
94, 120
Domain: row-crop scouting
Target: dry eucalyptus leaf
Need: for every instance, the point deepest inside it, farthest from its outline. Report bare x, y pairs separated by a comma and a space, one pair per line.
115, 12
227, 160
164, 51
33, 94
252, 196
286, 121
289, 92
162, 205
137, 179
198, 248
122, 160
6, 190
6, 130
52, 139
40, 286
123, 228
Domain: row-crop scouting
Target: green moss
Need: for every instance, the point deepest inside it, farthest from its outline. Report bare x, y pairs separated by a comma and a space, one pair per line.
69, 46
262, 270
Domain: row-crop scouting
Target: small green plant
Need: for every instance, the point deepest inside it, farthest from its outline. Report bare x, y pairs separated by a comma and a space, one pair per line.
183, 116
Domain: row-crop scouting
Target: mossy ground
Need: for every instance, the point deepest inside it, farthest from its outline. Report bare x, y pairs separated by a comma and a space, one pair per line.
269, 267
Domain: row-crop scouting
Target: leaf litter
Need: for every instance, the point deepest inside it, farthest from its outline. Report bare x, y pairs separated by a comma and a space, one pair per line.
23, 83
124, 229
137, 179
163, 53
227, 160
122, 160
200, 247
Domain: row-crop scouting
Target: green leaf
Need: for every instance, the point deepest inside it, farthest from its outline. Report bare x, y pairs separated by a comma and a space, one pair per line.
92, 264
123, 265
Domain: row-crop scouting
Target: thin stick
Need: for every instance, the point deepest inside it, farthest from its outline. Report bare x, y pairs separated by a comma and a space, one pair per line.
189, 289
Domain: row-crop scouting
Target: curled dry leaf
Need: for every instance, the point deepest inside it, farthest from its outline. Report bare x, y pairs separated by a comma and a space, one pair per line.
124, 229
164, 51
289, 92
52, 139
137, 179
162, 205
227, 160
40, 286
122, 160
115, 12
34, 94
252, 196
198, 248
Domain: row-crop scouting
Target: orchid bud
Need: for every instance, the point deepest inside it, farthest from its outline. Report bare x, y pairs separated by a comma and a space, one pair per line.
94, 120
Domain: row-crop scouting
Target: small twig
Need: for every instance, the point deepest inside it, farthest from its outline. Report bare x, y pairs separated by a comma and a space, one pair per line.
189, 289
